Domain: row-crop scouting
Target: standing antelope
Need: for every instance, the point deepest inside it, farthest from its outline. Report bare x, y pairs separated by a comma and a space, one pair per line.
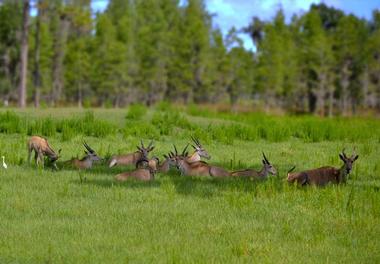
262, 174
199, 152
87, 161
324, 175
41, 148
132, 158
198, 168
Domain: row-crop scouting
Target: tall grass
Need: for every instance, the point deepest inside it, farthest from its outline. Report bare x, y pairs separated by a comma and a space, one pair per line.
136, 112
166, 120
11, 123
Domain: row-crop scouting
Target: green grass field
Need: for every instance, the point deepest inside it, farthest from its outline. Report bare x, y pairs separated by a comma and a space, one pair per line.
51, 216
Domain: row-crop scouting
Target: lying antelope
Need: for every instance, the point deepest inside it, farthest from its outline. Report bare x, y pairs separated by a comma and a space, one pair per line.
87, 161
132, 158
168, 163
143, 172
198, 168
324, 175
262, 174
199, 152
41, 148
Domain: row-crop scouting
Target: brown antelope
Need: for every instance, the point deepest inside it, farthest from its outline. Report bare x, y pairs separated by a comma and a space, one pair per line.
199, 168
87, 161
153, 163
41, 148
199, 152
167, 163
324, 175
143, 172
132, 158
262, 174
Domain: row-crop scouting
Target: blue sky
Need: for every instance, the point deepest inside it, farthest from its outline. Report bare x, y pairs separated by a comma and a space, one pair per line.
238, 13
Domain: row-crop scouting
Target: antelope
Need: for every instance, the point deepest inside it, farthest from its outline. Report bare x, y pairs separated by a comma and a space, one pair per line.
198, 153
324, 175
262, 174
132, 158
199, 168
87, 161
153, 163
41, 148
143, 172
167, 163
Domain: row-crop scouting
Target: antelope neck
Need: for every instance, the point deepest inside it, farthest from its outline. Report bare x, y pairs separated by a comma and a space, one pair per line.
194, 157
263, 172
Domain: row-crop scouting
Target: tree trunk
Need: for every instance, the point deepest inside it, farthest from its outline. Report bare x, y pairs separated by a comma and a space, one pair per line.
331, 100
37, 75
345, 82
59, 53
24, 55
80, 96
321, 93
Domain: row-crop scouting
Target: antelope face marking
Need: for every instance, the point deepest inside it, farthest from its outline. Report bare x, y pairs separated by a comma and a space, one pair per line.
202, 152
348, 162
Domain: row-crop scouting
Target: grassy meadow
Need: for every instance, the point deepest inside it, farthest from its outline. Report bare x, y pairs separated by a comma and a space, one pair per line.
68, 216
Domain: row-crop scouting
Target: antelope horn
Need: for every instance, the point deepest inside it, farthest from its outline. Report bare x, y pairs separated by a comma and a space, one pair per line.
88, 147
184, 150
354, 154
196, 141
175, 149
265, 158
142, 144
344, 154
150, 144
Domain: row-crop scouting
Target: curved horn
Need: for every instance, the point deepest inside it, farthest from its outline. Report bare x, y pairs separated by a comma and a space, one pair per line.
150, 144
265, 158
184, 150
354, 153
344, 154
196, 141
88, 147
175, 149
142, 144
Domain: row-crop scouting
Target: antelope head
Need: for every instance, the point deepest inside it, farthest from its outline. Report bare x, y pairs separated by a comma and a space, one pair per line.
348, 161
178, 158
154, 162
55, 156
90, 153
145, 150
199, 149
170, 158
268, 167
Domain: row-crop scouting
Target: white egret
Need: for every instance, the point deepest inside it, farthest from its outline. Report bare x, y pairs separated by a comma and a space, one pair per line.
4, 164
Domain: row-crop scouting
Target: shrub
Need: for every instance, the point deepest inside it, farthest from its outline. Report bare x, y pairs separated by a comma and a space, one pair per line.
136, 112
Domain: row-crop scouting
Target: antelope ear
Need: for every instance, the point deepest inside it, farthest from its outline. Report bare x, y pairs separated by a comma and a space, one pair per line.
342, 157
355, 158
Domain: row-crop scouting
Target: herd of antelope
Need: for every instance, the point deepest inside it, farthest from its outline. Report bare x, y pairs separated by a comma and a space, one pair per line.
188, 164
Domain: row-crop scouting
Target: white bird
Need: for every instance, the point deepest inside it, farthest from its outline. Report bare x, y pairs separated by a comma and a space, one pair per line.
4, 164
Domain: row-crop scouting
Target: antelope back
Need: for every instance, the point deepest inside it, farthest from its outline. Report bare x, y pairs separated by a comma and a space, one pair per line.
245, 173
138, 174
40, 144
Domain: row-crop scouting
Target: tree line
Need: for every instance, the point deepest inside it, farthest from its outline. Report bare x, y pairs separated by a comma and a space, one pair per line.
322, 61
